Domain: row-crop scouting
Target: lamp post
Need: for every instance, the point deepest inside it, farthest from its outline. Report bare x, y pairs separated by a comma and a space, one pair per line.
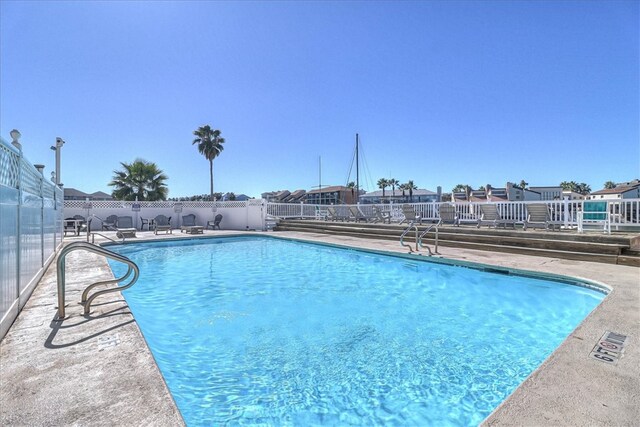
15, 136
57, 148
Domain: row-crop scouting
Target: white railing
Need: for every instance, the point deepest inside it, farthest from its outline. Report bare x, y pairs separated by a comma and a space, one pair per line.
624, 213
251, 214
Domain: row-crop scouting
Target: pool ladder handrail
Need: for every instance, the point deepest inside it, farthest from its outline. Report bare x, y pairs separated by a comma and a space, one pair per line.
424, 233
406, 230
86, 299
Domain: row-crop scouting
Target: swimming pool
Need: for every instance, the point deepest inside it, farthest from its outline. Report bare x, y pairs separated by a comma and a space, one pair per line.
256, 330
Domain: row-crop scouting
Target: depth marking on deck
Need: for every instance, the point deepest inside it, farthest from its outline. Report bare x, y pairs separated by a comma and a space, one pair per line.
108, 341
609, 348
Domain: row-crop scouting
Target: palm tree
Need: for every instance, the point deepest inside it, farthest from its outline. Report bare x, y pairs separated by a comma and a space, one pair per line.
393, 182
569, 186
609, 185
210, 146
383, 183
139, 180
583, 188
409, 185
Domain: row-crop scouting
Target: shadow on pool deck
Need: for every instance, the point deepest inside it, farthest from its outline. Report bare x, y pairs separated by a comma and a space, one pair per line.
97, 370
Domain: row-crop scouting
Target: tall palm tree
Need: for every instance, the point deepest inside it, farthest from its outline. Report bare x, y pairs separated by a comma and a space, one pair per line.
382, 184
140, 179
393, 183
410, 186
210, 146
609, 185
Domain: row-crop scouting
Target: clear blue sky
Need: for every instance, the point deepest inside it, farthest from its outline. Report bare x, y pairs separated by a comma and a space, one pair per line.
441, 93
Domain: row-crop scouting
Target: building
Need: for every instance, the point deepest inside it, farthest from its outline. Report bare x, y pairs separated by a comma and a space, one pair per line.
335, 195
418, 196
295, 197
73, 194
623, 190
276, 196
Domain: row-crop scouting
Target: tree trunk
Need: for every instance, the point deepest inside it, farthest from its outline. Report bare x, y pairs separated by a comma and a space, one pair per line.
211, 177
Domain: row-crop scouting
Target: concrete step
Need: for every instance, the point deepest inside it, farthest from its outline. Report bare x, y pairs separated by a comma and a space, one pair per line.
606, 249
490, 237
567, 235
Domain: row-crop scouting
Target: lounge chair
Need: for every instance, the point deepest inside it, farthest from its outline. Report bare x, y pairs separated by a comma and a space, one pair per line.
215, 223
357, 214
162, 223
70, 225
189, 225
538, 216
333, 215
110, 222
447, 214
595, 213
491, 217
124, 227
410, 214
381, 216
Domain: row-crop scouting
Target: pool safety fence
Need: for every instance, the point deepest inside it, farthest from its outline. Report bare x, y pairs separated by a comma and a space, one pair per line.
236, 215
258, 214
31, 209
624, 213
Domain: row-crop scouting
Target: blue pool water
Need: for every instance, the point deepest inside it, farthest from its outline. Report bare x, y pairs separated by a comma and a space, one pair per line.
265, 331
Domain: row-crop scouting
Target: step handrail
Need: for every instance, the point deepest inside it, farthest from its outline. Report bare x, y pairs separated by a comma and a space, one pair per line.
406, 230
86, 300
424, 233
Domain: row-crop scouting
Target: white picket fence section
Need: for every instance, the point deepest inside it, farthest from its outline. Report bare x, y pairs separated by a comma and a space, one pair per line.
624, 214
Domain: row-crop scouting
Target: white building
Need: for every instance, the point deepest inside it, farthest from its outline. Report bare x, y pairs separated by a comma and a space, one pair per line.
623, 190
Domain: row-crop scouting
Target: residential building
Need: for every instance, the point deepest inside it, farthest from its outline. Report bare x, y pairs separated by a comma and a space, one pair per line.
74, 194
623, 190
333, 195
276, 196
295, 196
418, 196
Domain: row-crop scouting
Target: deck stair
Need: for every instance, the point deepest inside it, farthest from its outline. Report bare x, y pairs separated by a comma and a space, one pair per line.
614, 248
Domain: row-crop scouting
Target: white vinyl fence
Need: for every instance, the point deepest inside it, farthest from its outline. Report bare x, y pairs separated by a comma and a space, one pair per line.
30, 230
624, 214
236, 215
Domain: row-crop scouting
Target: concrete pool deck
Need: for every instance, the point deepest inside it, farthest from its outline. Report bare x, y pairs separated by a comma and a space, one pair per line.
99, 371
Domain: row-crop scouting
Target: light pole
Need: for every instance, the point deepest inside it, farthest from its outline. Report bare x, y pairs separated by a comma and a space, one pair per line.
57, 148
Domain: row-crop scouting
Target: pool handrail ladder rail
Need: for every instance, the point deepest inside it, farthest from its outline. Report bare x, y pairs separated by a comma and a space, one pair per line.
86, 299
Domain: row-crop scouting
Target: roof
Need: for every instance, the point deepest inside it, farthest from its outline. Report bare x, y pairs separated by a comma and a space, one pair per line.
330, 189
101, 195
72, 192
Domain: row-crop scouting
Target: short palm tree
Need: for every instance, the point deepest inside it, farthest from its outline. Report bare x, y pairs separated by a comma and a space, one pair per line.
141, 180
210, 146
410, 186
393, 183
382, 184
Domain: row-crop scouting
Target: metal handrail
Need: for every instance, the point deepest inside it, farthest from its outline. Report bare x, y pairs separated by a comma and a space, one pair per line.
404, 233
86, 300
424, 233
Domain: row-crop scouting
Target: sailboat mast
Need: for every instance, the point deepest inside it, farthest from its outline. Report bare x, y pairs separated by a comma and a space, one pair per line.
320, 173
357, 172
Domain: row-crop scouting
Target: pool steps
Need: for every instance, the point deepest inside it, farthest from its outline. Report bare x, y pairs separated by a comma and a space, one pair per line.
613, 249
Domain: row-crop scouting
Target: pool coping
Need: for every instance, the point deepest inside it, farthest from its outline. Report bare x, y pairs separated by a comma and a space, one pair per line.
548, 395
